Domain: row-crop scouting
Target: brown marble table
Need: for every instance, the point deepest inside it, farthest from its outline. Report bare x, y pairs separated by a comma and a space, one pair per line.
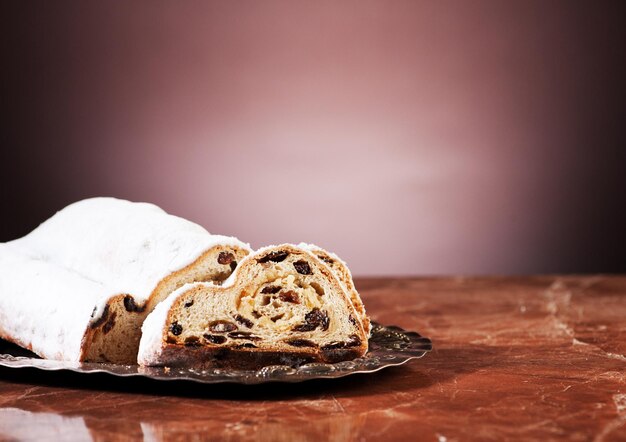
515, 358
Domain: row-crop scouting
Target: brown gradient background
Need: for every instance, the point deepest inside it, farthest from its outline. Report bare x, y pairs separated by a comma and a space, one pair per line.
409, 137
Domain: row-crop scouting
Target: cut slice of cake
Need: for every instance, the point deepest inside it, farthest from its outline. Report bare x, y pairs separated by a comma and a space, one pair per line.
342, 272
282, 305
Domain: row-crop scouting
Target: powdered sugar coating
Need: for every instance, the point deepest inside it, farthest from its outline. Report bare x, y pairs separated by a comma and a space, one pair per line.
312, 247
56, 281
131, 246
44, 306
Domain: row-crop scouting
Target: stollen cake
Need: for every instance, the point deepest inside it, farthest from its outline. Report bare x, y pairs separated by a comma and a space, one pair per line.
282, 305
98, 267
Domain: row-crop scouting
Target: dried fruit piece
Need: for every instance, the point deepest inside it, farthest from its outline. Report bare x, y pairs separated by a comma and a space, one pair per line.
244, 321
326, 259
222, 326
277, 317
353, 341
102, 319
301, 343
271, 289
131, 306
315, 318
225, 258
214, 339
304, 327
289, 296
176, 329
233, 266
302, 267
243, 335
192, 341
276, 256
188, 304
109, 324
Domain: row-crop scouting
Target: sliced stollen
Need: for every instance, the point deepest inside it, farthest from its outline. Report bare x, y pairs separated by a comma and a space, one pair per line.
282, 305
342, 272
137, 252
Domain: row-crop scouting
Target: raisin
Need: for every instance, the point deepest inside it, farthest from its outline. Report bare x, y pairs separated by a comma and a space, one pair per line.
176, 329
277, 317
192, 341
304, 327
243, 335
301, 343
109, 324
352, 320
130, 306
276, 256
244, 321
256, 314
271, 289
353, 341
302, 267
325, 322
314, 319
102, 319
326, 259
222, 326
289, 296
334, 345
188, 304
214, 339
233, 266
225, 258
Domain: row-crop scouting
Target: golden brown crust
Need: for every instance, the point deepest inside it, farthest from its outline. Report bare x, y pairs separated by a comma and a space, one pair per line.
246, 358
214, 357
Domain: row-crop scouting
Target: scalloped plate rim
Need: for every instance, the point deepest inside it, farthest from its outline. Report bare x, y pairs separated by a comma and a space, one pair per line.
17, 362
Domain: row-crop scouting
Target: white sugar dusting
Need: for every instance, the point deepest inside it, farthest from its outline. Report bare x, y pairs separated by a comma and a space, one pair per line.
57, 280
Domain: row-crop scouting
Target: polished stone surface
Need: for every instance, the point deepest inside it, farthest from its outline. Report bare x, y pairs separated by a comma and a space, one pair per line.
540, 358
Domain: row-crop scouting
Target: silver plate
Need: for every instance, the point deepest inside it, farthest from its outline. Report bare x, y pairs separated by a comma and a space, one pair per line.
389, 346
